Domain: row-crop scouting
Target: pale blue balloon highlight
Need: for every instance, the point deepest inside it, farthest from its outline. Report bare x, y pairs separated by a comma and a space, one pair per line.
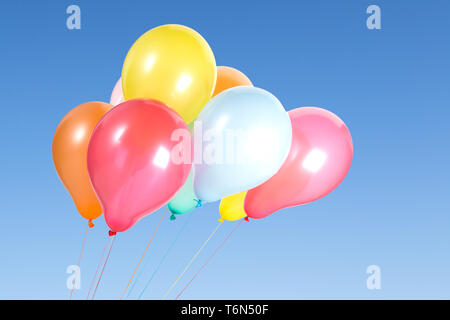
245, 137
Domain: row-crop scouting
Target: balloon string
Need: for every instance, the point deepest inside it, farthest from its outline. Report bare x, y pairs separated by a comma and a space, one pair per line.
192, 260
143, 254
98, 268
162, 260
79, 258
209, 259
104, 265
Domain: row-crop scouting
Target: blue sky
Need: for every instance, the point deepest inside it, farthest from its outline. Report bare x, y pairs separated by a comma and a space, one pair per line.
390, 86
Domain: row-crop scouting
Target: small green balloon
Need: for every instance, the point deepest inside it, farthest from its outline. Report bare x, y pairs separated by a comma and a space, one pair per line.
185, 200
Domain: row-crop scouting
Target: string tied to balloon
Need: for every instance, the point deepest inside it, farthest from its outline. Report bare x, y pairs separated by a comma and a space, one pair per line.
90, 223
199, 203
169, 249
209, 259
172, 217
79, 258
143, 254
97, 270
191, 261
112, 233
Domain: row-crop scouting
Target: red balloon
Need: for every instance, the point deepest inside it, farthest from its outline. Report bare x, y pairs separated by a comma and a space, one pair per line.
320, 156
130, 163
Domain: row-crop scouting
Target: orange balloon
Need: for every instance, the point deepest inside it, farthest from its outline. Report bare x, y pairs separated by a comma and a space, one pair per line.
228, 77
69, 149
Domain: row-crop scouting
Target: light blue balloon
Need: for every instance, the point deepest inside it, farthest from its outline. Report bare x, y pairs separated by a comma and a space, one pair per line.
245, 136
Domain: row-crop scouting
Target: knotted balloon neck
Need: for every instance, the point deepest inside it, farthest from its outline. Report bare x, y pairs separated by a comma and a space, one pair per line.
90, 223
172, 217
111, 233
199, 203
247, 219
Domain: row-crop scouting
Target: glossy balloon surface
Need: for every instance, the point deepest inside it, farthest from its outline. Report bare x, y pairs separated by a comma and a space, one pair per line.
185, 200
130, 161
117, 94
228, 77
69, 149
232, 207
319, 159
172, 64
246, 136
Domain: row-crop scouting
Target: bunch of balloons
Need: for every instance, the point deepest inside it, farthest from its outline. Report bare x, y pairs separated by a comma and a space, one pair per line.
164, 139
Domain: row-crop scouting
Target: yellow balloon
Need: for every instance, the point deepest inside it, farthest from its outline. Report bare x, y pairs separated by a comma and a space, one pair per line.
173, 64
232, 207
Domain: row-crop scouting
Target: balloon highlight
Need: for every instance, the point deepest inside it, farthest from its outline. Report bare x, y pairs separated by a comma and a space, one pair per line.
248, 135
319, 159
129, 161
172, 64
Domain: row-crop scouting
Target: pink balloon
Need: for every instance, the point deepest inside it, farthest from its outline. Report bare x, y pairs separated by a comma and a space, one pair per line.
130, 164
117, 94
320, 156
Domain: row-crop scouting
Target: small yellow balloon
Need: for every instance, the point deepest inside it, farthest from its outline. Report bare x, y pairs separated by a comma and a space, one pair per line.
172, 64
232, 207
